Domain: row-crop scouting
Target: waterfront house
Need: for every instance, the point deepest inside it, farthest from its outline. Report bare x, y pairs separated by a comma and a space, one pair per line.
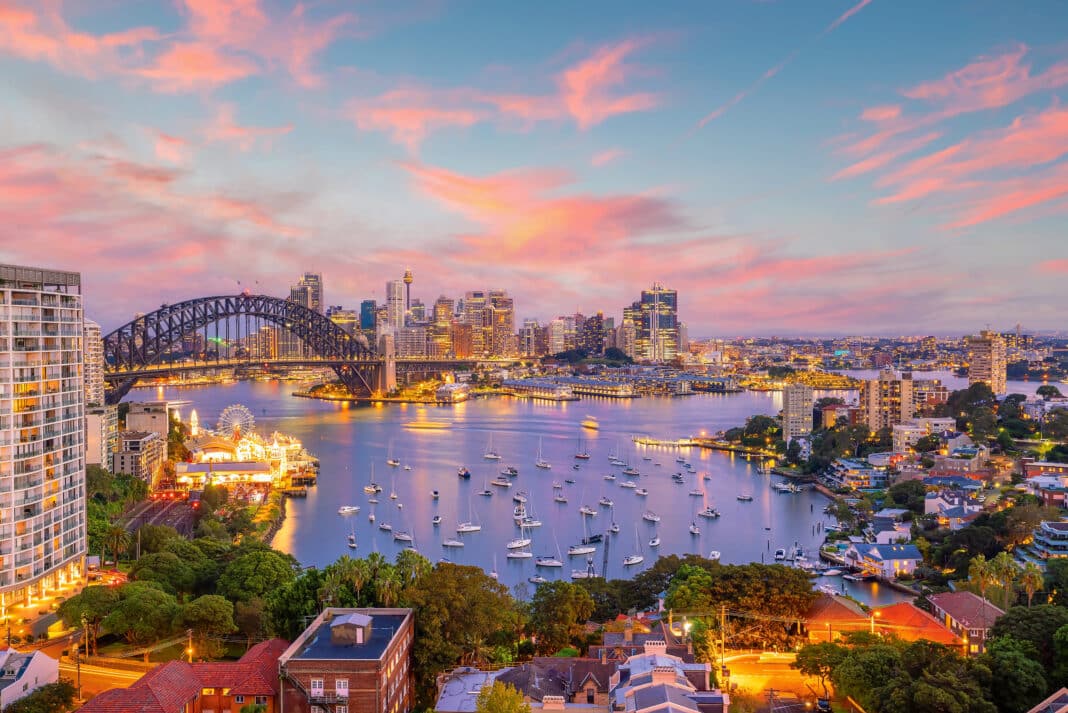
350, 661
967, 615
887, 561
179, 687
857, 474
23, 673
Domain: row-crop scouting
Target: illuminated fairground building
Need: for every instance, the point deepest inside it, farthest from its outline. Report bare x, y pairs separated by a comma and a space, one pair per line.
236, 455
42, 435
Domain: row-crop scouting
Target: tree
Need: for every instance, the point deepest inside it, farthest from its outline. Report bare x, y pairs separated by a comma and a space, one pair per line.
153, 538
819, 661
170, 571
410, 566
253, 708
1048, 391
980, 573
92, 605
1032, 580
864, 671
908, 494
144, 614
500, 698
1004, 570
117, 540
249, 618
557, 612
1036, 625
55, 697
1020, 681
927, 444
1056, 424
255, 575
288, 606
210, 617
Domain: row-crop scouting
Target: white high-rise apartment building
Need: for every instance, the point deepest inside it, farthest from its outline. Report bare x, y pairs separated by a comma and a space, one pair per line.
986, 361
797, 402
395, 304
93, 347
42, 434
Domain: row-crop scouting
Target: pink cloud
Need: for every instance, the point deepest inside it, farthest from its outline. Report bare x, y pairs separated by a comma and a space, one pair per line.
887, 112
409, 115
193, 66
846, 15
606, 157
884, 158
1007, 197
1053, 267
172, 149
587, 88
224, 128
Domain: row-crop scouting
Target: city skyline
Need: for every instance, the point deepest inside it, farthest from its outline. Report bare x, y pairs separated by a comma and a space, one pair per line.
571, 157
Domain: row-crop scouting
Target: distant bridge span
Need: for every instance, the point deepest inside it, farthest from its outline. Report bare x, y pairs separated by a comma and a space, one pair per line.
137, 348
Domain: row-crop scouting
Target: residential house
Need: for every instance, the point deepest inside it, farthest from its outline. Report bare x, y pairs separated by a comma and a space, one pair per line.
350, 661
857, 474
1031, 468
829, 617
1057, 703
23, 673
1050, 541
655, 681
887, 561
1052, 490
952, 509
209, 687
967, 615
908, 622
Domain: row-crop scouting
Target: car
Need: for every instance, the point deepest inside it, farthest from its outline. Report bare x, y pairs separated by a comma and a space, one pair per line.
823, 705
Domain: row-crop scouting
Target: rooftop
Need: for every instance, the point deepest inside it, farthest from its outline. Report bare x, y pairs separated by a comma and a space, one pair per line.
661, 696
460, 688
315, 643
969, 609
1057, 703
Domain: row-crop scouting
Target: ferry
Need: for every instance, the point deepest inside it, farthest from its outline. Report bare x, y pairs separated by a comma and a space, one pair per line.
591, 423
428, 425
348, 509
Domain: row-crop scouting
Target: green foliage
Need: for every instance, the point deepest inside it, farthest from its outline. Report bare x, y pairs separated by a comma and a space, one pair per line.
93, 603
289, 607
255, 574
253, 708
1055, 425
500, 698
1048, 391
557, 613
172, 573
605, 596
1035, 625
210, 617
928, 443
153, 538
55, 697
144, 613
1020, 680
819, 661
616, 354
908, 494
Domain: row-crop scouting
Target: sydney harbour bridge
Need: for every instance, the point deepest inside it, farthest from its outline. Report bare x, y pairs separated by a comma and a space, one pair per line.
146, 346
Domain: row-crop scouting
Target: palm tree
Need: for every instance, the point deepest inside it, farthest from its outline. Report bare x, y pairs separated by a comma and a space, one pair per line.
980, 573
1032, 580
117, 540
1004, 570
387, 587
375, 563
359, 576
331, 587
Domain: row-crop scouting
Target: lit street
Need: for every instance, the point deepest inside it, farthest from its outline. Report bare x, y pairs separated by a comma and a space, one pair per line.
96, 679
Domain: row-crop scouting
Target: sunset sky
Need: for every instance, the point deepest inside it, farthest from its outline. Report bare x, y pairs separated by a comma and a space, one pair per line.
790, 166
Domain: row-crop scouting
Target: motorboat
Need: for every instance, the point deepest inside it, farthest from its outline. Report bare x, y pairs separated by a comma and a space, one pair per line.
436, 520
435, 494
780, 554
501, 482
485, 492
613, 528
372, 488
518, 542
392, 462
385, 527
587, 510
402, 536
576, 466
560, 498
373, 501
519, 512
576, 550
641, 491
352, 541
829, 590
786, 488
569, 481
407, 467
649, 458
832, 572
520, 497
605, 501
655, 541
630, 471
371, 516
348, 509
468, 527
650, 516
452, 543
628, 484
694, 529
714, 555
583, 455
400, 506
537, 579
709, 512
510, 471
680, 459
745, 498
463, 472
610, 476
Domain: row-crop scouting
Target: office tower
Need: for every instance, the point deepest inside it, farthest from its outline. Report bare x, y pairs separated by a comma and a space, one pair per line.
627, 338
93, 347
411, 342
658, 327
395, 303
888, 400
368, 309
561, 332
462, 338
500, 324
42, 423
528, 338
441, 328
312, 282
474, 315
986, 360
684, 338
593, 334
417, 312
347, 319
797, 403
382, 325
408, 279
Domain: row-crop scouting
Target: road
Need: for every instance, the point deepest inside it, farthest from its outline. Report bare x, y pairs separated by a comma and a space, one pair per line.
96, 679
758, 672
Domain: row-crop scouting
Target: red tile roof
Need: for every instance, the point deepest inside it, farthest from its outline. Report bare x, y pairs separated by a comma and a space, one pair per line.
909, 622
970, 610
170, 686
835, 610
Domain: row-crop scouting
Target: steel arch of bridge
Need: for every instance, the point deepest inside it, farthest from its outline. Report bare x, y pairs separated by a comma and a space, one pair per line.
142, 343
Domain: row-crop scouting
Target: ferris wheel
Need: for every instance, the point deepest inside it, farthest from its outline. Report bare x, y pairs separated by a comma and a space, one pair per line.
235, 418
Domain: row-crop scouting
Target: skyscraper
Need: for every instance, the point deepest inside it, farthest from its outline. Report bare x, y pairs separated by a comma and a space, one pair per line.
42, 419
367, 317
93, 348
986, 360
395, 303
500, 324
593, 334
441, 328
888, 400
308, 292
797, 402
658, 331
474, 315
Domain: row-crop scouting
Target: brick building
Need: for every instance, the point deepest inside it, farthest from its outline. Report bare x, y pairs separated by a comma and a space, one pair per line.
350, 661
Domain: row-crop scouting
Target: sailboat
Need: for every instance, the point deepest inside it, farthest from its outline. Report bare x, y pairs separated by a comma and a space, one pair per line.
586, 548
550, 561
637, 558
614, 527
587, 573
519, 548
582, 453
655, 541
390, 460
470, 525
493, 572
392, 488
491, 454
371, 515
372, 487
485, 492
352, 537
541, 462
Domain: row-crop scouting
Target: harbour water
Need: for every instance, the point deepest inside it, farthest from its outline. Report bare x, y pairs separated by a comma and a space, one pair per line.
349, 439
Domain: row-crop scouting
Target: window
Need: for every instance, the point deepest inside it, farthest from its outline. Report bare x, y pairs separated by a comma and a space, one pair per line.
239, 699
341, 709
207, 691
341, 687
261, 700
317, 687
